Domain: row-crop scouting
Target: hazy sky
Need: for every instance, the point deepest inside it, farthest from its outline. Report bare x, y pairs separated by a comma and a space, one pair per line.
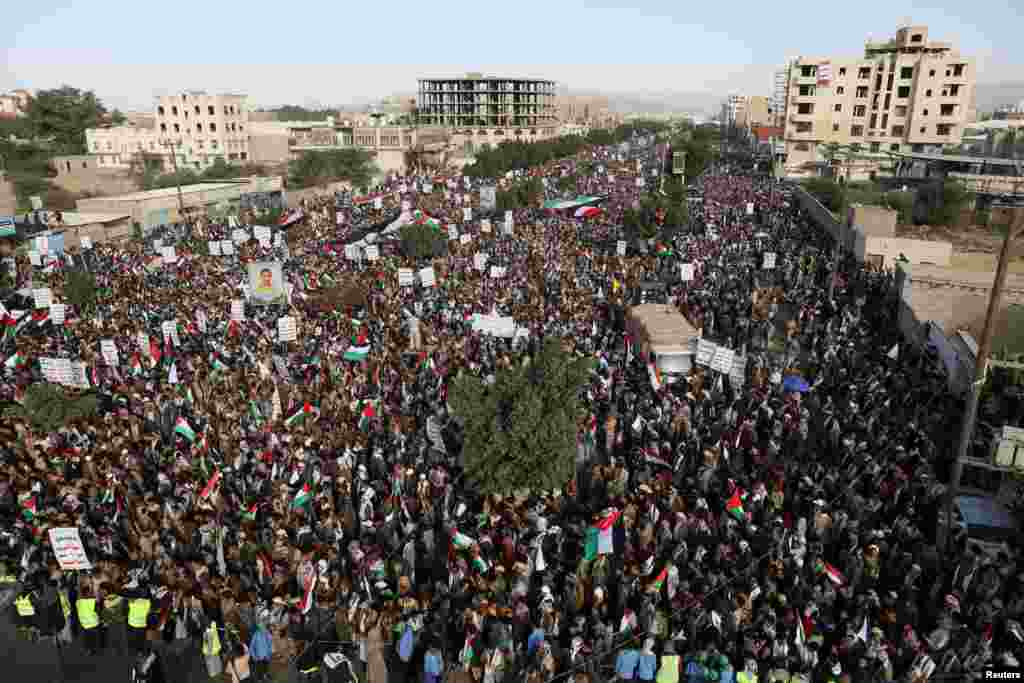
303, 52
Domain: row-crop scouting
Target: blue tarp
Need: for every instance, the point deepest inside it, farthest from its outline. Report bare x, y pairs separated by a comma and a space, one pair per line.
985, 517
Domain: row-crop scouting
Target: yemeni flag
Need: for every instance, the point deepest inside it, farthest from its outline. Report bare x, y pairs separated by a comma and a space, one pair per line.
833, 574
659, 580
304, 495
210, 486
15, 362
41, 315
308, 577
249, 513
182, 427
307, 410
734, 506
653, 457
28, 506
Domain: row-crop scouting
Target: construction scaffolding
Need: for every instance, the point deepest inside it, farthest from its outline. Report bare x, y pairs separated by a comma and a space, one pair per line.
478, 102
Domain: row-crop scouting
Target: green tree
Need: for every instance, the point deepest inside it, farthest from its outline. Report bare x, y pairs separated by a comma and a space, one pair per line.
63, 114
117, 118
352, 164
80, 290
422, 241
520, 432
296, 113
48, 407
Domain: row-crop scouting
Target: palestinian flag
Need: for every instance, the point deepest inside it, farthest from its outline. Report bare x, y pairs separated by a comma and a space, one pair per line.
307, 410
182, 427
309, 580
41, 315
367, 412
604, 530
217, 364
833, 574
480, 564
210, 486
659, 580
461, 541
27, 502
154, 350
136, 364
590, 544
303, 497
664, 250
233, 329
734, 506
249, 513
655, 375
265, 567
309, 281
15, 362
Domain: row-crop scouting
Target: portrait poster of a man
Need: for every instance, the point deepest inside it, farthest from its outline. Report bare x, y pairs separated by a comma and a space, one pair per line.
266, 283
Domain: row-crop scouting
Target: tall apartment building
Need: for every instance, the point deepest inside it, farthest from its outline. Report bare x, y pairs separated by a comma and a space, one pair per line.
780, 86
197, 128
734, 109
905, 94
481, 110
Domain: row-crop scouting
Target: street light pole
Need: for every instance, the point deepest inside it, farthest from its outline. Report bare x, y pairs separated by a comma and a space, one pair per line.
980, 375
177, 177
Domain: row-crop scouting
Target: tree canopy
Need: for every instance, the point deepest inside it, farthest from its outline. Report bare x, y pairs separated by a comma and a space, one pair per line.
520, 432
152, 179
62, 115
50, 407
291, 112
421, 241
321, 167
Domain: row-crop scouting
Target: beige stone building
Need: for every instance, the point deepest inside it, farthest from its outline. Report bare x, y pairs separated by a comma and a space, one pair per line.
755, 112
907, 94
200, 129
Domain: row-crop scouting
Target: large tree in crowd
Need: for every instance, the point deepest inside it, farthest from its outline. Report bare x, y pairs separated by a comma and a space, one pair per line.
62, 115
520, 431
318, 168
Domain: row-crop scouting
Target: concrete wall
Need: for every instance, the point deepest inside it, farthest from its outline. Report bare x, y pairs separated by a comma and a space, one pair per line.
293, 197
916, 251
82, 173
99, 232
270, 148
875, 221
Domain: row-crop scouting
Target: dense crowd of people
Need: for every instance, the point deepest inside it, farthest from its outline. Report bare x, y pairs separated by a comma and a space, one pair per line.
247, 498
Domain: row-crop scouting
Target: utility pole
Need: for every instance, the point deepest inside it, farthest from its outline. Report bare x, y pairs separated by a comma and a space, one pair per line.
177, 178
1015, 230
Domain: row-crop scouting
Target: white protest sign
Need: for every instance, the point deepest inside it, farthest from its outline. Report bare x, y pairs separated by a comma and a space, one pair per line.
43, 297
378, 203
769, 260
239, 236
262, 232
738, 374
453, 232
372, 252
58, 313
351, 252
405, 277
705, 352
158, 245
428, 188
63, 372
467, 214
169, 255
427, 276
465, 238
485, 225
68, 549
479, 261
750, 208
47, 368
79, 376
286, 329
339, 217
238, 310
686, 271
142, 339
620, 247
497, 272
722, 360
34, 258
86, 242
169, 328
109, 350
214, 248
227, 248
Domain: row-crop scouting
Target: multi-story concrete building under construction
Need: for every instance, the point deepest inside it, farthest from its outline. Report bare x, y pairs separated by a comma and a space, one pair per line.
488, 110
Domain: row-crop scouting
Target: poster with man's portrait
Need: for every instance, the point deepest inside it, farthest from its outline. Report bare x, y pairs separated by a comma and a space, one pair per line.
266, 283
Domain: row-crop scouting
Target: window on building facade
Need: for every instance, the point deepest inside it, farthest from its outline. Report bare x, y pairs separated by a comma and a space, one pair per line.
947, 109
907, 72
894, 147
835, 127
954, 90
803, 108
903, 91
160, 110
808, 71
210, 110
802, 147
862, 91
924, 112
923, 129
199, 128
174, 111
244, 155
163, 127
840, 90
177, 128
900, 110
928, 93
917, 149
931, 73
874, 146
958, 69
916, 38
860, 110
804, 127
842, 71
857, 131
838, 107
806, 91
864, 73
213, 127
944, 129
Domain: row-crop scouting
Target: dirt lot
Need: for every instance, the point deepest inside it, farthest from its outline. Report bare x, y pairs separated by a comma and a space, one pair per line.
974, 249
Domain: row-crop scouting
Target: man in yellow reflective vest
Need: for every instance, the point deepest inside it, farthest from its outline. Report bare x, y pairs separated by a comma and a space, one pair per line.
25, 605
211, 650
138, 618
88, 619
